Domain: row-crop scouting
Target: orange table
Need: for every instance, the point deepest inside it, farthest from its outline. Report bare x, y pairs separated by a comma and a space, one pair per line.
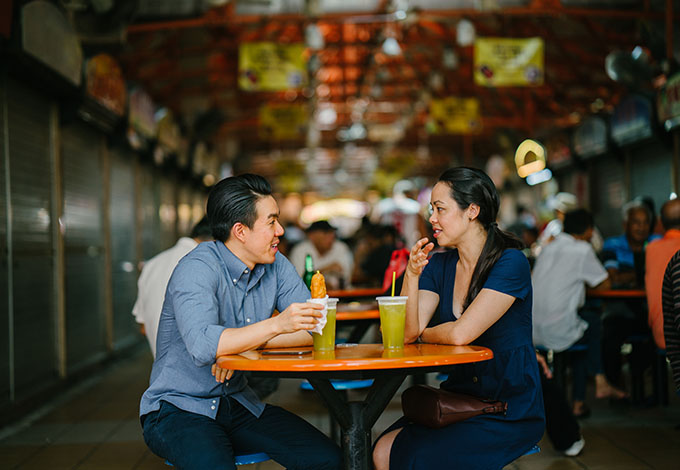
616, 294
346, 294
356, 361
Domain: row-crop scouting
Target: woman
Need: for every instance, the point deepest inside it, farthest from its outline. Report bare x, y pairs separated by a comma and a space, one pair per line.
479, 293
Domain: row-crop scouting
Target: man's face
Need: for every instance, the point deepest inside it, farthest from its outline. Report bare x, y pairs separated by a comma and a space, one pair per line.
322, 240
262, 239
637, 226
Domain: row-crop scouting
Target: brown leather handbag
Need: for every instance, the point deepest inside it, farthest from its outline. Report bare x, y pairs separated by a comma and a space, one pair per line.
436, 408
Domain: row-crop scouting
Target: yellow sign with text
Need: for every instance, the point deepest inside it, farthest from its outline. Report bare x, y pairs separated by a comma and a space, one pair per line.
268, 66
509, 62
454, 116
281, 122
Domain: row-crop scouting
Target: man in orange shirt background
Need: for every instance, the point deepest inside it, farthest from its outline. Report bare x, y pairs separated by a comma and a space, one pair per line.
659, 253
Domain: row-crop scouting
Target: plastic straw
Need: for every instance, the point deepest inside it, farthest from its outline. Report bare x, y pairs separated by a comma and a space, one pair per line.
394, 276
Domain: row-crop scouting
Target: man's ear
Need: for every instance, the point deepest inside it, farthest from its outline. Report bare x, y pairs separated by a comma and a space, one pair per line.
238, 231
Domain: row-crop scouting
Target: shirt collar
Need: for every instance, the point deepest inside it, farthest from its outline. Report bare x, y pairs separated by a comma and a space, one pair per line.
236, 268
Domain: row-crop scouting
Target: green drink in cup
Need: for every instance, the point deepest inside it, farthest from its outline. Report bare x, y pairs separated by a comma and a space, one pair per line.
326, 340
392, 320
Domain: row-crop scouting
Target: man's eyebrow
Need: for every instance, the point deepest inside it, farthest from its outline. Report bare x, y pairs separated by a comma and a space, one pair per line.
275, 215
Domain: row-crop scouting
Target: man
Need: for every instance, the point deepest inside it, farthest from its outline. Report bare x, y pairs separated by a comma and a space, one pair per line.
671, 316
659, 253
220, 300
624, 258
559, 280
331, 256
154, 279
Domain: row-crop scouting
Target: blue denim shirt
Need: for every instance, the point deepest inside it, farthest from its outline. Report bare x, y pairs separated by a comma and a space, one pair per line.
211, 290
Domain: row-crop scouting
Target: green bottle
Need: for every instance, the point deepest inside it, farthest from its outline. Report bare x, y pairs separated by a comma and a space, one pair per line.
309, 271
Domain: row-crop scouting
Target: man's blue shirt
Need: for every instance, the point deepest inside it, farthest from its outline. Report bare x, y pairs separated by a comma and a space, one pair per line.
209, 291
616, 252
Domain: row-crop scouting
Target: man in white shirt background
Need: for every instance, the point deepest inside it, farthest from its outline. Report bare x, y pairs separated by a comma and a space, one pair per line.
154, 279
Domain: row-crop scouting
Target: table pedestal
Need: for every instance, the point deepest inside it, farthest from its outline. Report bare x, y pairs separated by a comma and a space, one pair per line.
357, 418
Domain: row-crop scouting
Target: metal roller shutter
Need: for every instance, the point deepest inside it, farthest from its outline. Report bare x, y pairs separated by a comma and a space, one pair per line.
149, 205
4, 299
124, 275
32, 277
168, 211
83, 244
650, 172
608, 194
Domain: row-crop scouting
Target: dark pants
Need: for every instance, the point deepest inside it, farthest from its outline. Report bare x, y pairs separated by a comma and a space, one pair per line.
587, 363
560, 424
193, 441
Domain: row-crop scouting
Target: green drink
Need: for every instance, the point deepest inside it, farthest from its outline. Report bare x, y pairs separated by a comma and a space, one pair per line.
392, 320
326, 340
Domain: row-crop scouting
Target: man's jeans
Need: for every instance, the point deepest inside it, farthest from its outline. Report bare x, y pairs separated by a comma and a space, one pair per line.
193, 441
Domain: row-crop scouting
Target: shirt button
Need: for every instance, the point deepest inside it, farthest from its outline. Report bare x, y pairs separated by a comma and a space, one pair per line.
248, 320
214, 401
212, 407
246, 271
234, 281
474, 379
246, 294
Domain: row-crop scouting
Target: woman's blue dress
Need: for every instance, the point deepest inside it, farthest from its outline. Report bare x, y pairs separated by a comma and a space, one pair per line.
486, 441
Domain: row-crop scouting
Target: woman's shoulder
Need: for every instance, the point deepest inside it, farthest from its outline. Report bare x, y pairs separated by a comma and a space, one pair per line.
512, 258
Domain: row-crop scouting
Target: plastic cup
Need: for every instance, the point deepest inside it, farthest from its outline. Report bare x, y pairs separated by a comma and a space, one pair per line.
326, 340
392, 320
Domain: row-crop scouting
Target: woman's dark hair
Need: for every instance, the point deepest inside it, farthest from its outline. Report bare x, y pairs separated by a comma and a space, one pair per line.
233, 200
473, 186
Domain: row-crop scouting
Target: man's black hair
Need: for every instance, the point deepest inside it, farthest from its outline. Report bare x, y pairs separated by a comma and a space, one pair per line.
577, 222
202, 230
233, 200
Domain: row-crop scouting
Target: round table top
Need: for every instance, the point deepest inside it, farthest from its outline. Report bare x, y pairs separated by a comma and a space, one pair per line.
355, 357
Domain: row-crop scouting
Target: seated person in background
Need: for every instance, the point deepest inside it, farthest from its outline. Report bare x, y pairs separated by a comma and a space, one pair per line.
624, 259
219, 301
659, 253
559, 279
671, 316
372, 255
331, 256
482, 291
154, 279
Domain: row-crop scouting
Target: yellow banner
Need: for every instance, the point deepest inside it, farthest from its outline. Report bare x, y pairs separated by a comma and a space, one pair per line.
281, 122
509, 62
268, 66
454, 116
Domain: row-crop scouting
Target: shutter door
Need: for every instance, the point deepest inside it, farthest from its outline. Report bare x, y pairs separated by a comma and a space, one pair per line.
608, 193
168, 211
124, 277
30, 181
149, 212
184, 220
4, 300
83, 241
650, 173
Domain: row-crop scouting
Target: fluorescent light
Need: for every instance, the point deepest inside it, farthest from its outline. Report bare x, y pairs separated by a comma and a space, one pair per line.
539, 177
391, 47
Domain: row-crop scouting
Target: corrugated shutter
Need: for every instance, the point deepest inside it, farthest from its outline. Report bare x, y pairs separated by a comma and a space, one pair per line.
650, 173
28, 121
4, 300
149, 212
184, 219
124, 276
168, 211
83, 244
608, 194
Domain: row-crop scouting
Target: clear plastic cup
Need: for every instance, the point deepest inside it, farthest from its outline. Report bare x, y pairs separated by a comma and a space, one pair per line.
392, 320
326, 340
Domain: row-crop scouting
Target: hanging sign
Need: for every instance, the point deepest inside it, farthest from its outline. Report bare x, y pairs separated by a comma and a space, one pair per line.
668, 103
454, 116
508, 62
590, 138
104, 82
268, 66
632, 120
284, 121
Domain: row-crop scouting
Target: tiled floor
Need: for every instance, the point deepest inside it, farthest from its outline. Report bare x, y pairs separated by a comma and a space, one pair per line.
95, 427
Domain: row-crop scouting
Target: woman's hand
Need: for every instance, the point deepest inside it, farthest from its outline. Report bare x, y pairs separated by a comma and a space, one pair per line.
221, 374
299, 316
418, 258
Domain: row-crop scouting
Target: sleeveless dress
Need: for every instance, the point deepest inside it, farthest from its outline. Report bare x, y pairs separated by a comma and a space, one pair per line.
486, 441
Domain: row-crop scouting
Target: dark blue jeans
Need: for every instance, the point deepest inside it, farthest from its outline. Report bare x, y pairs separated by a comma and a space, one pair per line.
193, 441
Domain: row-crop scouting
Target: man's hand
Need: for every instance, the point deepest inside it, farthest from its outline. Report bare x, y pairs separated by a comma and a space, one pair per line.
544, 365
221, 374
299, 316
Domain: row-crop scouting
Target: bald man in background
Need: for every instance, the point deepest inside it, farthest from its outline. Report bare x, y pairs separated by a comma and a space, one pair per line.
659, 253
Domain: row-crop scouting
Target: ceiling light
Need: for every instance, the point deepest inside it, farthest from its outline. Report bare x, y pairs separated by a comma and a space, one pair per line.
391, 47
465, 33
313, 37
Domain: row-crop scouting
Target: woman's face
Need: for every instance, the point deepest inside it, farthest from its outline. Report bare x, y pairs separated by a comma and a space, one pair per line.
449, 221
